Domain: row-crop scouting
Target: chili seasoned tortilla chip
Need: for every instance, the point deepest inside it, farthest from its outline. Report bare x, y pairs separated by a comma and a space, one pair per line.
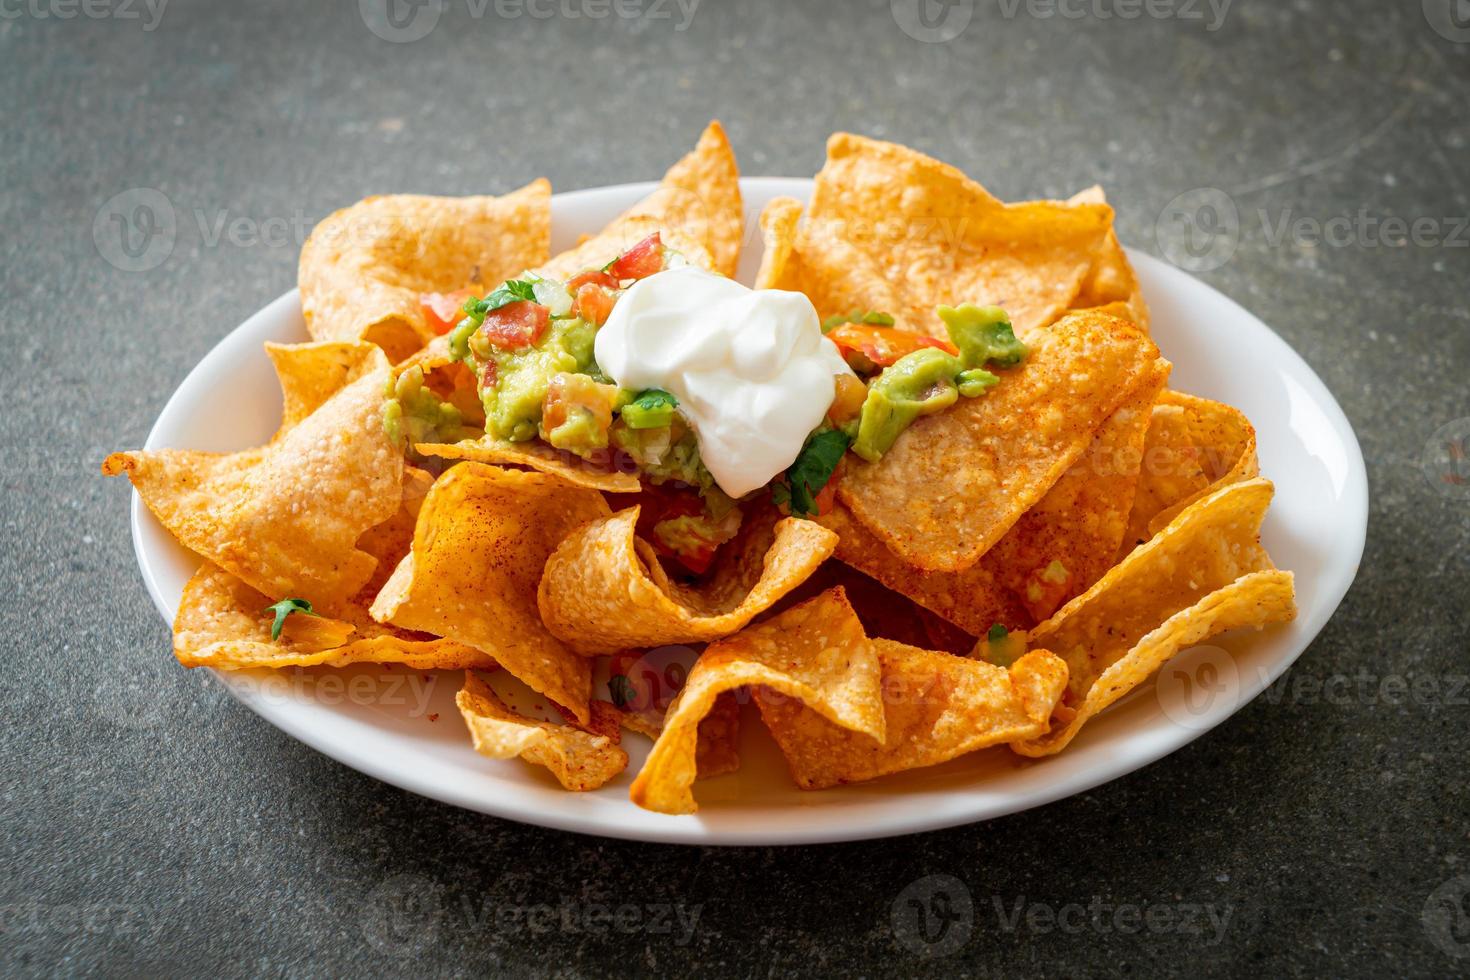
363, 269
717, 753
284, 518
604, 589
893, 230
1070, 538
312, 373
223, 623
953, 483
1195, 446
580, 760
936, 707
1204, 573
481, 540
1111, 285
696, 208
816, 653
535, 455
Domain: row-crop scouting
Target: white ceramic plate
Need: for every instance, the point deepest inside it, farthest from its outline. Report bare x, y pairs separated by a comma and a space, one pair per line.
382, 723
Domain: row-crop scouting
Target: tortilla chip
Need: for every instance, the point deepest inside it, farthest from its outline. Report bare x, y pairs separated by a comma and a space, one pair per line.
481, 540
780, 265
312, 373
579, 760
717, 753
1111, 285
223, 623
815, 652
1070, 538
696, 207
936, 707
604, 589
1204, 573
953, 483
284, 518
535, 455
893, 230
1195, 446
363, 268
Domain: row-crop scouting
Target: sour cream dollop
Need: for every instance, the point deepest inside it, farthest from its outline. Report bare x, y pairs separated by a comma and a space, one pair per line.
750, 368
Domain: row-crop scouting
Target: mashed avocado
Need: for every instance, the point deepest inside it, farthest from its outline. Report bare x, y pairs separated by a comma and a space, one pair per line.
513, 403
929, 380
415, 414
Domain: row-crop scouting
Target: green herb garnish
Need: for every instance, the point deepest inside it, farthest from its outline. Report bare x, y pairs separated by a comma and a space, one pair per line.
285, 608
813, 467
869, 318
650, 409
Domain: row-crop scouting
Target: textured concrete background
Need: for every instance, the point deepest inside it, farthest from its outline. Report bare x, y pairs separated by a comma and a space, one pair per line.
153, 826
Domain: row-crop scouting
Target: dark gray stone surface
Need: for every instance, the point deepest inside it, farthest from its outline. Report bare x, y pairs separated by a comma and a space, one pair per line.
152, 826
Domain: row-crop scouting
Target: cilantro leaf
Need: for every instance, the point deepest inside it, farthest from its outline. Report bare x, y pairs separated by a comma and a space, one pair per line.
813, 467
997, 633
869, 318
649, 409
285, 608
513, 291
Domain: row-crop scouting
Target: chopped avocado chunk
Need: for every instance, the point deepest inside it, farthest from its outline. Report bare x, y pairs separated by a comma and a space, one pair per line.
974, 381
522, 377
920, 383
871, 318
983, 334
413, 413
650, 409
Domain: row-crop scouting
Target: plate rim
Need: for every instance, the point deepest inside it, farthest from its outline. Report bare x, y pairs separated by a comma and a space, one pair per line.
690, 830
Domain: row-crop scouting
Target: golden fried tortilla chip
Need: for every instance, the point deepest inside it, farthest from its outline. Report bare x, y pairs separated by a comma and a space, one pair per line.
284, 518
1204, 573
311, 373
953, 483
1195, 446
936, 707
816, 653
580, 760
604, 589
479, 546
594, 474
363, 268
892, 230
223, 623
1111, 285
696, 208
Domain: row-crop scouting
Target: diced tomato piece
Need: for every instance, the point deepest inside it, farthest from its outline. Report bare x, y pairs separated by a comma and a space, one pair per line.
826, 496
594, 276
883, 345
568, 393
640, 261
516, 325
697, 561
489, 375
848, 398
442, 310
593, 303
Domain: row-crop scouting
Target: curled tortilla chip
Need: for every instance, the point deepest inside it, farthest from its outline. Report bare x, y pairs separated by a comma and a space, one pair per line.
953, 483
594, 474
936, 707
1111, 285
696, 208
580, 760
284, 518
482, 538
312, 373
1194, 447
816, 653
1204, 573
604, 590
364, 267
893, 230
223, 623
